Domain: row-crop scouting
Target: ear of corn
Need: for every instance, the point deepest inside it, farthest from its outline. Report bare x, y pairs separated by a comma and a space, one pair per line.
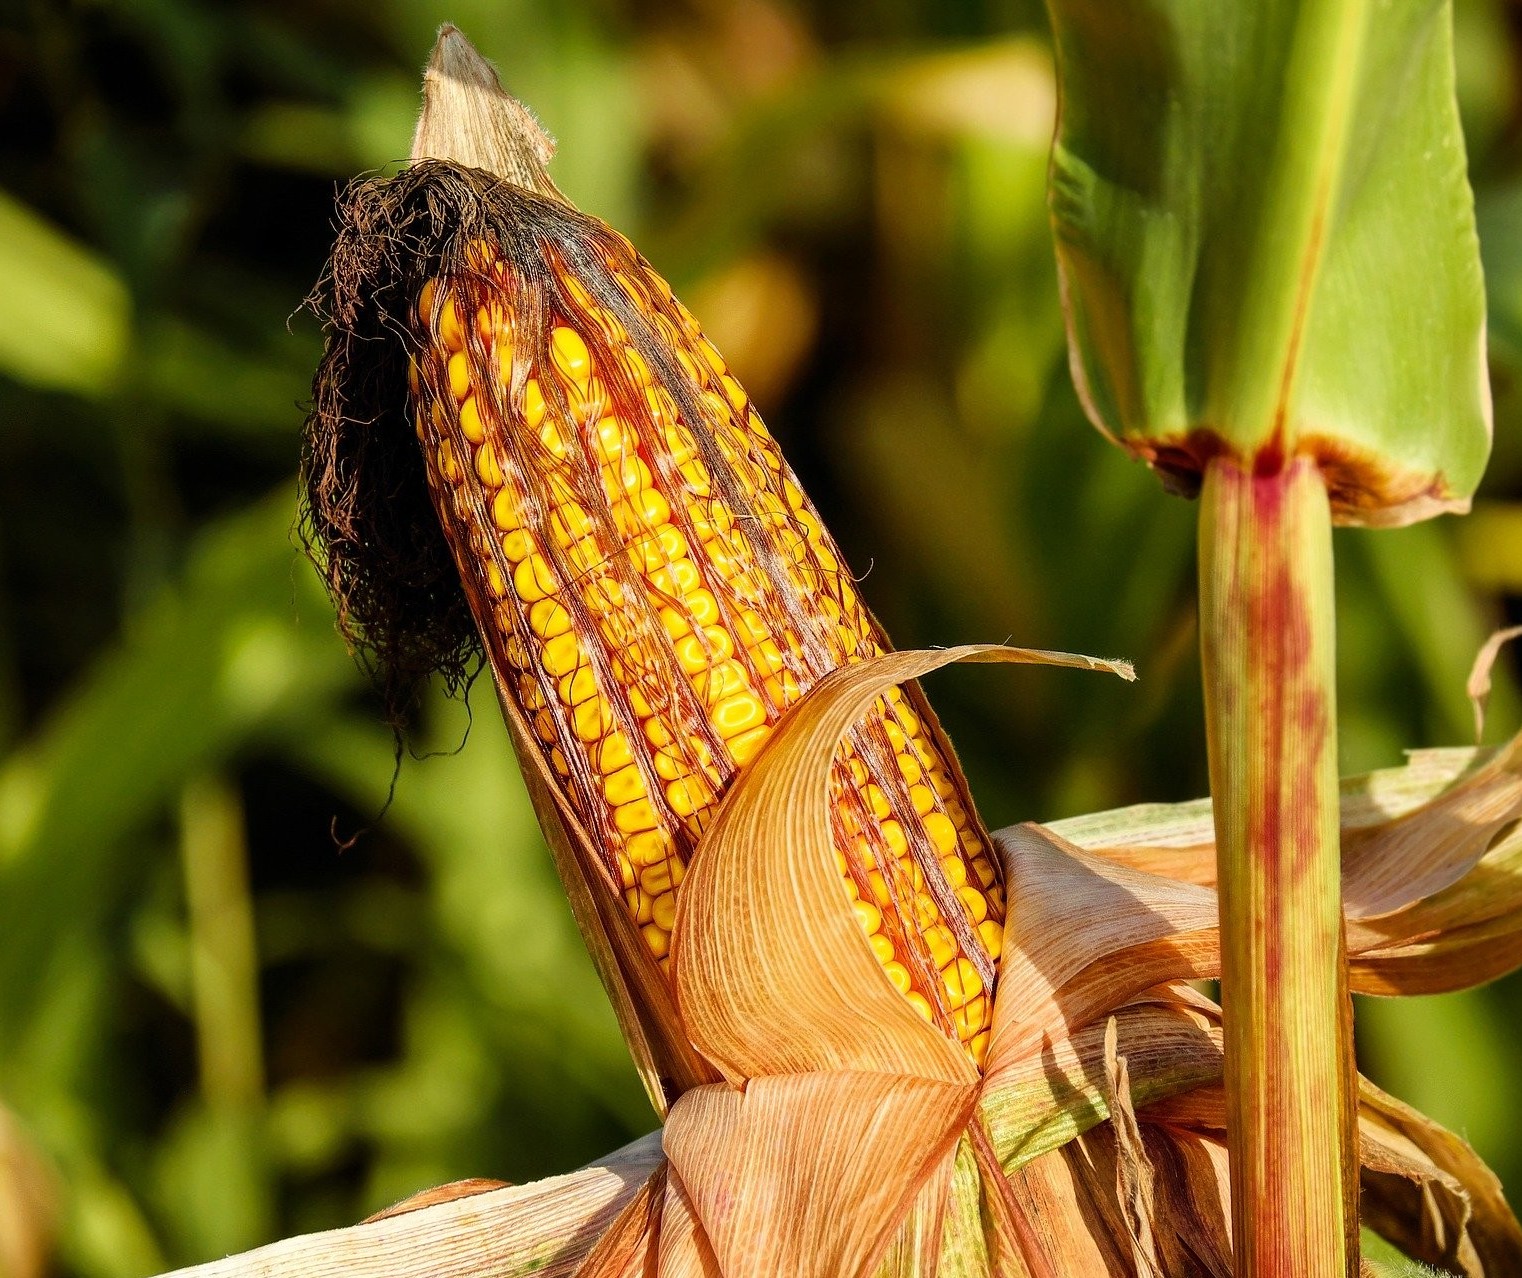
644, 565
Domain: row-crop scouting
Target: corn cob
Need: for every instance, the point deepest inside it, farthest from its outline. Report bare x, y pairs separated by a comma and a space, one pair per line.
658, 589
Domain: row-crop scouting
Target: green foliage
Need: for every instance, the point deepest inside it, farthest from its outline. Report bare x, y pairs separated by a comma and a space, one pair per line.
1318, 275
423, 1004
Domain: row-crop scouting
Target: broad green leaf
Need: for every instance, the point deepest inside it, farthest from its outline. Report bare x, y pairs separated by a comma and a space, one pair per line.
1267, 241
65, 317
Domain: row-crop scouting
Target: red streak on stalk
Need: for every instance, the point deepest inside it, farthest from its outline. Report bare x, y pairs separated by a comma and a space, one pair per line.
1270, 697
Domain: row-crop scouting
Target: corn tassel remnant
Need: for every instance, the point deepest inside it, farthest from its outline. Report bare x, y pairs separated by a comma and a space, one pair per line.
652, 586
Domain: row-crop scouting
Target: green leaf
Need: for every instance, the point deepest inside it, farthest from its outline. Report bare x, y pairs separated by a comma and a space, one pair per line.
65, 317
1267, 241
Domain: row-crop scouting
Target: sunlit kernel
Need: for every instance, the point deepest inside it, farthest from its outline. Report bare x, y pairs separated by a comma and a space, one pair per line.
570, 353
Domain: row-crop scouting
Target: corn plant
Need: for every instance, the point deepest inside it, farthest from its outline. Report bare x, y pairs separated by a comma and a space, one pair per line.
882, 1040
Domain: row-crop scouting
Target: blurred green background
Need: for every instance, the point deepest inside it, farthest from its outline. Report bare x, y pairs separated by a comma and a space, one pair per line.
216, 1026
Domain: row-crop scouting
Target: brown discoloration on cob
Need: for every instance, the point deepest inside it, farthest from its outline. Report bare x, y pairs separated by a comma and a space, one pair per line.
652, 586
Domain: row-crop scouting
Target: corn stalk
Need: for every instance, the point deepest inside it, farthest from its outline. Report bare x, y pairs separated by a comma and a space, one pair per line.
1267, 247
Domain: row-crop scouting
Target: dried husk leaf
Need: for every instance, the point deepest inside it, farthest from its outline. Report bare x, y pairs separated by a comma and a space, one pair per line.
1038, 1102
915, 1251
811, 1174
1134, 1175
684, 1250
1478, 685
1084, 934
546, 1229
761, 916
1433, 875
964, 1246
629, 1248
1485, 1237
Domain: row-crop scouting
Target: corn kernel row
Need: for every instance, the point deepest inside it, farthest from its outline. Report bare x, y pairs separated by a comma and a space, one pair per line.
661, 590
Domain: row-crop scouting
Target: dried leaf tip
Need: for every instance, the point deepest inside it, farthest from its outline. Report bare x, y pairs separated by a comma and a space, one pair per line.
468, 118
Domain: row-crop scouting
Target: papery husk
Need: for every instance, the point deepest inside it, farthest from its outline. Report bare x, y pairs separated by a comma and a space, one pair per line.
546, 1229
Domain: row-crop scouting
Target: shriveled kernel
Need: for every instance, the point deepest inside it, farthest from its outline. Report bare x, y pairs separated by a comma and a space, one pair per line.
662, 877
650, 847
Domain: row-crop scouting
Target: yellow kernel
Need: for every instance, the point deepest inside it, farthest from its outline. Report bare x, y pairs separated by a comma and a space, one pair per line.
570, 353
639, 905
743, 747
624, 786
663, 910
926, 912
962, 981
876, 800
921, 796
632, 817
650, 847
613, 438
517, 546
660, 878
625, 873
570, 525
448, 466
533, 579
489, 466
879, 885
894, 836
657, 940
869, 916
955, 870
451, 331
992, 936
941, 943
504, 510
591, 720
686, 795
613, 754
737, 714
549, 618
471, 425
698, 651
943, 834
665, 547
725, 679
920, 1005
767, 657
634, 364
677, 578
425, 302
899, 975
578, 687
973, 902
643, 510
971, 1017
984, 869
702, 607
459, 376
495, 581
533, 404
882, 947
783, 688
562, 766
